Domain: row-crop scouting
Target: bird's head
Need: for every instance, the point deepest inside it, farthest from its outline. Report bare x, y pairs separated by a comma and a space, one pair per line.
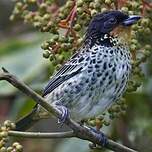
105, 23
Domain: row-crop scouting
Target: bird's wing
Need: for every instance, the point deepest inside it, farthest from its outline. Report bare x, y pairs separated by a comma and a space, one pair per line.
67, 71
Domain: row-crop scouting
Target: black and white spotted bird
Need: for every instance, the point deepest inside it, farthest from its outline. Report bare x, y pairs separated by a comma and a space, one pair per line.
95, 77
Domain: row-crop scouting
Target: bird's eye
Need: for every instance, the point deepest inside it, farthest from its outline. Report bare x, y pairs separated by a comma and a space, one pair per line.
110, 23
112, 20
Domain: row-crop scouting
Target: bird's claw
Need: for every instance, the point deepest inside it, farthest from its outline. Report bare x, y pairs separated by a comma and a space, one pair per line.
103, 139
101, 136
64, 114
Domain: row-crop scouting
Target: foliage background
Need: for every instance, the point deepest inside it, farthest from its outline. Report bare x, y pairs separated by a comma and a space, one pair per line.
21, 54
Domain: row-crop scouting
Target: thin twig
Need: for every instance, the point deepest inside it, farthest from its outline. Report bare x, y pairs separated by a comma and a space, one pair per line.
79, 131
68, 134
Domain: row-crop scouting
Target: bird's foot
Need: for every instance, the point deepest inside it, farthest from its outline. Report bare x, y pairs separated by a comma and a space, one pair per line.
64, 114
101, 136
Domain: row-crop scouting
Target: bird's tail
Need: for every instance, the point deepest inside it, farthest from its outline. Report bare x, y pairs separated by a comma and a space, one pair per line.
27, 121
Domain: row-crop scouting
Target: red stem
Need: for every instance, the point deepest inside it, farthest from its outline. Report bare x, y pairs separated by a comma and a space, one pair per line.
39, 2
146, 5
74, 11
120, 3
71, 12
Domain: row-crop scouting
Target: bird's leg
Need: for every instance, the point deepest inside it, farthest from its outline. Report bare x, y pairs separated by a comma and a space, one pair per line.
101, 136
64, 113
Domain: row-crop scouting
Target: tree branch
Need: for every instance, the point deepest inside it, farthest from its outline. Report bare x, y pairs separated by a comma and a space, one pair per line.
78, 131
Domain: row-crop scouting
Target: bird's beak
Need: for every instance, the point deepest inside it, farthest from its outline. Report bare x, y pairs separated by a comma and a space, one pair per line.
131, 20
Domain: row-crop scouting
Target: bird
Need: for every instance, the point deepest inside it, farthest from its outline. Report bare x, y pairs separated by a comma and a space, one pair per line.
95, 77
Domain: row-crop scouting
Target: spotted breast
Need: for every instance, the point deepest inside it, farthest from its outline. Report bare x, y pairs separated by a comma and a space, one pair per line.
104, 62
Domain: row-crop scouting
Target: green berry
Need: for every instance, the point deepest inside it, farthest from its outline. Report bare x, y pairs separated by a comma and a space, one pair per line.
31, 1
134, 4
7, 123
45, 46
106, 123
3, 134
123, 112
124, 9
13, 126
43, 6
79, 10
108, 2
55, 37
15, 144
12, 17
110, 110
135, 27
134, 41
148, 47
51, 41
71, 39
147, 53
69, 4
147, 30
91, 5
51, 57
80, 3
92, 122
2, 143
100, 117
62, 39
145, 22
19, 148
124, 107
9, 149
130, 12
93, 12
37, 24
46, 16
97, 6
60, 58
80, 40
133, 47
19, 5
77, 27
103, 9
3, 149
111, 116
46, 54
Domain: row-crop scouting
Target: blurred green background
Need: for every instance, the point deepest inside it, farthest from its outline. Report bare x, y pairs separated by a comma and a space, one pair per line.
21, 54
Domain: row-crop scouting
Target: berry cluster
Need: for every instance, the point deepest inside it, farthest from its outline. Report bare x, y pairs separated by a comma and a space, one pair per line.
15, 147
